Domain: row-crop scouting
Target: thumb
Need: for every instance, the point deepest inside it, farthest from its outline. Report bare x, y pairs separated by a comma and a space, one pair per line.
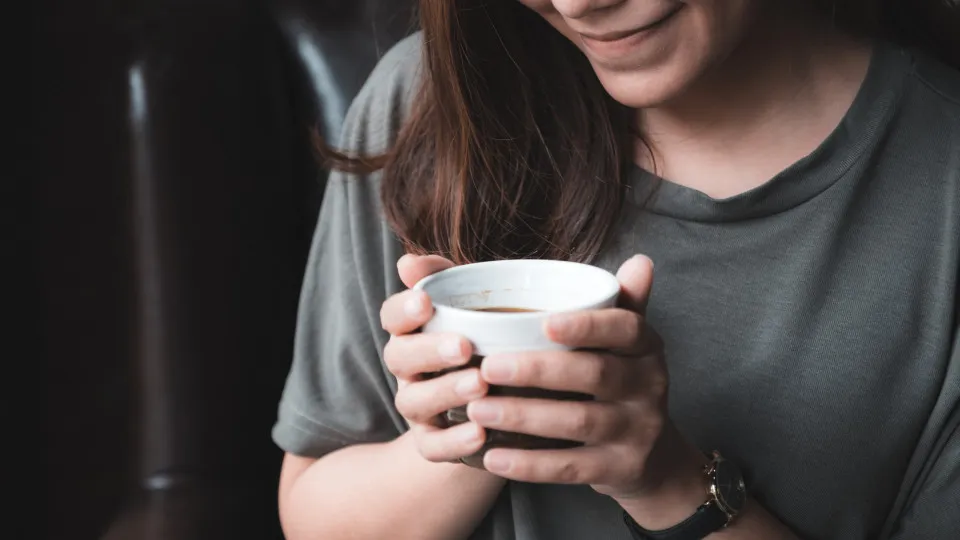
636, 280
413, 268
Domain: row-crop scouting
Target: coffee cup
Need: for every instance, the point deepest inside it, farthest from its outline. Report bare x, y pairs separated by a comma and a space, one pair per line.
501, 307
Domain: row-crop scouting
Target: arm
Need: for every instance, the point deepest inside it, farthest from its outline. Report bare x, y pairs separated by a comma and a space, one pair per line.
934, 510
352, 469
367, 476
753, 523
384, 490
929, 506
678, 496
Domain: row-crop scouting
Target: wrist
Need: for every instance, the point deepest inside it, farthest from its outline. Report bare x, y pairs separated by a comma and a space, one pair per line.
676, 501
677, 486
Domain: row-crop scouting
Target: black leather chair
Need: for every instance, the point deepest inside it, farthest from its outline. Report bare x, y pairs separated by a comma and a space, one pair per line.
178, 193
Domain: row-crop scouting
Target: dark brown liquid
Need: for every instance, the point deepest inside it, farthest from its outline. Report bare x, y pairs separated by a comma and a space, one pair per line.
507, 439
504, 309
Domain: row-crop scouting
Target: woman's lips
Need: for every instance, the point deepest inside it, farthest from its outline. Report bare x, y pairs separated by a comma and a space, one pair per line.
616, 44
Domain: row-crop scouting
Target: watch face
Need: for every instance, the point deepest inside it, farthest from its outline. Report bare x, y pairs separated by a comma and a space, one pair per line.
731, 491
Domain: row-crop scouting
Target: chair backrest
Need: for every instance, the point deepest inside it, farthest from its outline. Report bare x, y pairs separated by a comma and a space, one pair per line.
178, 196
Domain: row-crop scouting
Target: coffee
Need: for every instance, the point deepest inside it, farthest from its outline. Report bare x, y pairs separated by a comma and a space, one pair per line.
504, 309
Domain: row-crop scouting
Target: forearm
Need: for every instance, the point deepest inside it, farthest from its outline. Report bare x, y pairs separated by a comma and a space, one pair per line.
754, 523
677, 496
385, 490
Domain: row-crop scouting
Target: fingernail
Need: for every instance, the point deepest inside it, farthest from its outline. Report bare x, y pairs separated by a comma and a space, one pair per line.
641, 257
468, 386
450, 350
499, 369
470, 435
496, 463
627, 270
559, 324
484, 413
413, 307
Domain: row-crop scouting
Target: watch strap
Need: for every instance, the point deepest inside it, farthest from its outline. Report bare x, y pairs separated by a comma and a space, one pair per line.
708, 519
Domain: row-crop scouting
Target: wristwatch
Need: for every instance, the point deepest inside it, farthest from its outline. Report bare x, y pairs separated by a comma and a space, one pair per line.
727, 495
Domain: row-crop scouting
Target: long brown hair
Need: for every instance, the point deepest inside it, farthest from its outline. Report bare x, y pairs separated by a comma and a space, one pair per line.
514, 150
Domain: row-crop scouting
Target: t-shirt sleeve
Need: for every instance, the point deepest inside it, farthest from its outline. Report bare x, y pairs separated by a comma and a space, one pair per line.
933, 507
338, 392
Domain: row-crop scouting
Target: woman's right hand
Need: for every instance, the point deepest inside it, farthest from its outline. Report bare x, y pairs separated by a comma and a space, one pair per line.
410, 355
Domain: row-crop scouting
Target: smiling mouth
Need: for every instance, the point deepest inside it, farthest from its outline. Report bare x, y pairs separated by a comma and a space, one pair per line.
617, 36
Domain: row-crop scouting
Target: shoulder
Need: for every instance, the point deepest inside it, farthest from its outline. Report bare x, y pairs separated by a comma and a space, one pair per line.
915, 149
925, 137
934, 88
351, 230
938, 78
384, 100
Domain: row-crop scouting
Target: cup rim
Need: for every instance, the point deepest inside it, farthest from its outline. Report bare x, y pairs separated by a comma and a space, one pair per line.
609, 289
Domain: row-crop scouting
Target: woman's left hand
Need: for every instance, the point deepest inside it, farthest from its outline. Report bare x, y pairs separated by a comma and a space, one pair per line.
631, 450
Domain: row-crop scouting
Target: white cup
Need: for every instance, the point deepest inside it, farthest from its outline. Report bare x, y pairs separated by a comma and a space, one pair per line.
543, 286
532, 290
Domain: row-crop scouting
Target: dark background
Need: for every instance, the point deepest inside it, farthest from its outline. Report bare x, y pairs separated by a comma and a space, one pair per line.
177, 196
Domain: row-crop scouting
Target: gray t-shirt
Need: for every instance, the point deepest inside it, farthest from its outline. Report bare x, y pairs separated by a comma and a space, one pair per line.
811, 323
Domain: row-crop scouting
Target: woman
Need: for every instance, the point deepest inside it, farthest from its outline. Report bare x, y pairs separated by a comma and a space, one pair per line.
794, 176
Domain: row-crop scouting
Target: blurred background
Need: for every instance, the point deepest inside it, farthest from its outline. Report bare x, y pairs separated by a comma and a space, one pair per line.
178, 197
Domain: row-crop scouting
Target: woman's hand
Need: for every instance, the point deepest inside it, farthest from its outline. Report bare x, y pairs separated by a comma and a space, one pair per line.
630, 448
410, 355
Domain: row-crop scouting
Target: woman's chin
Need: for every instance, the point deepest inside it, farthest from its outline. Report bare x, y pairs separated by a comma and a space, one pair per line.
647, 88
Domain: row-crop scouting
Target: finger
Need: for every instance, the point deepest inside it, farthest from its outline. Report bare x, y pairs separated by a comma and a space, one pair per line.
582, 465
449, 444
410, 355
413, 268
636, 281
617, 328
590, 422
605, 376
405, 312
422, 401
